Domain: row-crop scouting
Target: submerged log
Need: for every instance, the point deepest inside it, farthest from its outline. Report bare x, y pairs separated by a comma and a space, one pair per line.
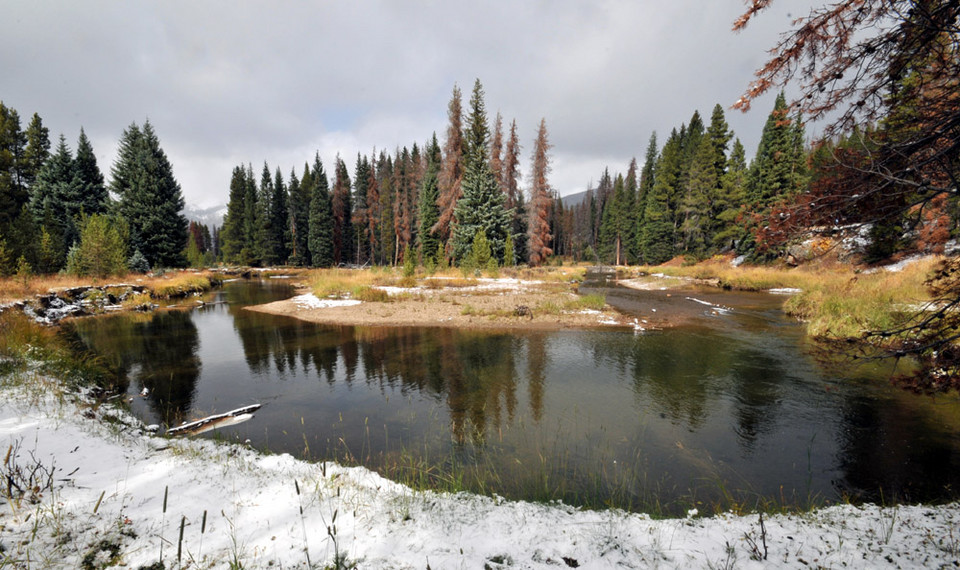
212, 422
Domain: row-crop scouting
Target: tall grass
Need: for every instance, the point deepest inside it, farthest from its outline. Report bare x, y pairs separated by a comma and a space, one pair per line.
846, 308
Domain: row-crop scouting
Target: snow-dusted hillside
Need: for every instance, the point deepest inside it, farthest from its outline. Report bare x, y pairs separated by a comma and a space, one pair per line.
212, 216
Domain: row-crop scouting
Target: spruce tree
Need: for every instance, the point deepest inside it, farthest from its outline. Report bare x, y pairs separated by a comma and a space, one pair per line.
643, 190
56, 194
659, 229
778, 169
13, 195
342, 215
279, 216
150, 199
249, 254
321, 218
361, 221
696, 227
231, 234
94, 197
37, 151
429, 211
481, 208
265, 244
729, 206
515, 202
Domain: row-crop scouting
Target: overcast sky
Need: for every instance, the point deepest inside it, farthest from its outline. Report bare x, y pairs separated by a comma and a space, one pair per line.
232, 82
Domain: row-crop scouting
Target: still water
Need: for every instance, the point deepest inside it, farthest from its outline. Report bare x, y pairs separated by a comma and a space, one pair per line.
732, 408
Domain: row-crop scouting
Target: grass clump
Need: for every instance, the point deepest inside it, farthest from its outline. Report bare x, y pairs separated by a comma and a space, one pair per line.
369, 294
341, 283
592, 302
180, 285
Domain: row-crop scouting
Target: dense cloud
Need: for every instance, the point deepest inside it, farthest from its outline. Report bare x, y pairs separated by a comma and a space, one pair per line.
234, 82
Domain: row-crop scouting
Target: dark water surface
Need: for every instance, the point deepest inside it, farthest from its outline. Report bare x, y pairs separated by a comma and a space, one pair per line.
729, 409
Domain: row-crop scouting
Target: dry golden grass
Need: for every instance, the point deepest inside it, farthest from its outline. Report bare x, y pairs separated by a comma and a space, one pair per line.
840, 307
171, 284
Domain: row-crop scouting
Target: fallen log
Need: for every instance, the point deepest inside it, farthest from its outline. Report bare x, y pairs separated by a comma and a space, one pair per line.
208, 423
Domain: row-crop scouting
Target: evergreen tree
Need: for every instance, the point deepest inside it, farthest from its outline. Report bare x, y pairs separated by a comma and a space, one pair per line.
231, 235
659, 229
429, 211
541, 198
279, 217
56, 195
361, 220
13, 195
402, 214
702, 181
37, 151
481, 208
614, 228
250, 253
94, 198
342, 212
730, 203
778, 168
298, 204
719, 134
496, 155
386, 195
265, 244
643, 190
150, 199
102, 249
321, 218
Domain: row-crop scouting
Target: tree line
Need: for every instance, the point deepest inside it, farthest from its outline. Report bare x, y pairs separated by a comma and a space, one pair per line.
57, 213
429, 204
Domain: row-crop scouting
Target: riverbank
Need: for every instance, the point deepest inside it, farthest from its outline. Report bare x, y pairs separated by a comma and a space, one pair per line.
108, 493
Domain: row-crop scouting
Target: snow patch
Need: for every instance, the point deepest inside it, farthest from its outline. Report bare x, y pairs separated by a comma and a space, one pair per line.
255, 515
311, 301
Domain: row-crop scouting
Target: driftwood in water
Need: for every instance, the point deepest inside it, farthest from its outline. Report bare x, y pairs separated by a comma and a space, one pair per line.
218, 420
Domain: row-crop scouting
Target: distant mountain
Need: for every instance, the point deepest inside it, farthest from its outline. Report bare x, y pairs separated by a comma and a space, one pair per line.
210, 217
575, 199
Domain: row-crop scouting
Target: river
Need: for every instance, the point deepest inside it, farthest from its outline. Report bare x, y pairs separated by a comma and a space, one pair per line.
734, 409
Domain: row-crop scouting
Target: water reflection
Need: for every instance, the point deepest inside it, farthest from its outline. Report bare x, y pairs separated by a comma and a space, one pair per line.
725, 409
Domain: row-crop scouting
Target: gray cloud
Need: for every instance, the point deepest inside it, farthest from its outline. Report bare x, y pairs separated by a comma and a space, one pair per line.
234, 82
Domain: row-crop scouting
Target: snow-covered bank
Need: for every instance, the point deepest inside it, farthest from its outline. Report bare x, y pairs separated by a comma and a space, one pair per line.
106, 507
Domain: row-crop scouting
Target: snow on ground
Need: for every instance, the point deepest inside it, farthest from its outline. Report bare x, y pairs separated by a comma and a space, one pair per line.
311, 301
482, 284
107, 507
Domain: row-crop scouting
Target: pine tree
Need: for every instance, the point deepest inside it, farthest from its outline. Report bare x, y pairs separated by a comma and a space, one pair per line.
342, 212
279, 217
541, 198
613, 229
429, 211
150, 199
102, 249
696, 228
13, 195
56, 194
250, 253
37, 150
231, 235
643, 190
496, 155
321, 219
451, 174
730, 203
778, 168
481, 208
659, 229
94, 197
361, 221
719, 134
630, 188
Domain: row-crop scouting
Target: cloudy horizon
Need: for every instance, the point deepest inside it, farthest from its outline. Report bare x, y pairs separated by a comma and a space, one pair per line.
226, 83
